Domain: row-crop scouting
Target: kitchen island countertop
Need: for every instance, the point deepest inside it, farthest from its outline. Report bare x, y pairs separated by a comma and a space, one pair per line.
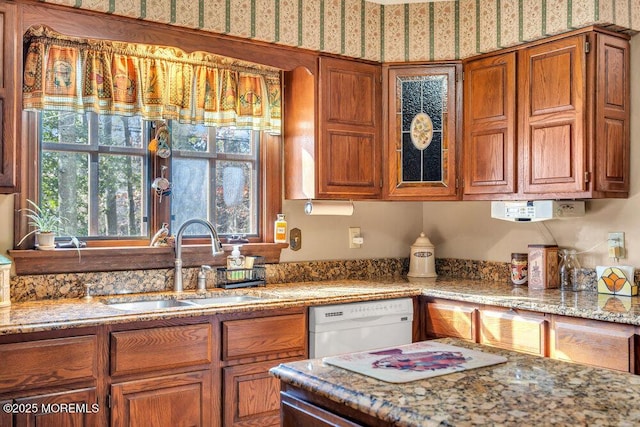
526, 390
73, 312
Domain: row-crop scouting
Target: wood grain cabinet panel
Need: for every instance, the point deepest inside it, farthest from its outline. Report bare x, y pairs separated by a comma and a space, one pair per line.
514, 330
332, 130
49, 362
145, 350
490, 120
6, 419
77, 408
549, 119
451, 319
9, 92
264, 336
593, 342
251, 395
349, 153
553, 101
297, 412
172, 400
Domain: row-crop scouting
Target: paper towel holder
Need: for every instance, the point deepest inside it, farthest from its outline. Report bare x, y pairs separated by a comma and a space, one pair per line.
326, 207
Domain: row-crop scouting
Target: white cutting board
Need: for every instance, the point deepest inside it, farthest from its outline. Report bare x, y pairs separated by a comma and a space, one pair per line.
411, 362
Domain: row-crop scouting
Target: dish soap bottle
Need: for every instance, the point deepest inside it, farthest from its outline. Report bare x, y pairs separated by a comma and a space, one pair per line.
235, 261
280, 230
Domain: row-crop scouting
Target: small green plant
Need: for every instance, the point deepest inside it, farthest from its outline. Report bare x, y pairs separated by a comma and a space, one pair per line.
44, 220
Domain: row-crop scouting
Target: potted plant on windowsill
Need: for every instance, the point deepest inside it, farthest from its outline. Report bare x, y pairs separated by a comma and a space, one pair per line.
46, 225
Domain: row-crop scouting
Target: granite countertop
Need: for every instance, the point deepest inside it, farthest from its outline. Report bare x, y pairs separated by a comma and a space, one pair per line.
66, 313
526, 390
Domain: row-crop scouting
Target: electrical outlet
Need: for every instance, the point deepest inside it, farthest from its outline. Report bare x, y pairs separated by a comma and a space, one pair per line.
616, 245
354, 235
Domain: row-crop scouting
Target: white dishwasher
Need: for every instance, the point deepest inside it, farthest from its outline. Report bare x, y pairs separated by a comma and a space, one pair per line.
345, 328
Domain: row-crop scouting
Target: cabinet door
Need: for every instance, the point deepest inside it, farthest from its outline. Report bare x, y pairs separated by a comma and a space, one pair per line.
451, 319
552, 80
173, 400
6, 419
612, 111
514, 330
297, 412
423, 120
251, 396
8, 96
591, 342
78, 408
490, 125
349, 153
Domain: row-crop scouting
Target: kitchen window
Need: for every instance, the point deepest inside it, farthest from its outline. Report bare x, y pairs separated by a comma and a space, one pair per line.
124, 138
94, 171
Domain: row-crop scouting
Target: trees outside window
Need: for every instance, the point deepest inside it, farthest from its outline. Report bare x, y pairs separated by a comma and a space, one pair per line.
95, 171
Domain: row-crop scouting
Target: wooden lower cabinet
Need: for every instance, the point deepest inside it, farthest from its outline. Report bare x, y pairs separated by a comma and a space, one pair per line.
77, 408
297, 412
172, 400
251, 396
513, 330
451, 319
593, 342
250, 347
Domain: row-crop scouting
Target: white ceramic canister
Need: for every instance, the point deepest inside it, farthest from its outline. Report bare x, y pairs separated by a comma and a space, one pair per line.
422, 262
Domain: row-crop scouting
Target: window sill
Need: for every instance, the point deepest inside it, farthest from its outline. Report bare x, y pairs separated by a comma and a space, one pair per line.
130, 258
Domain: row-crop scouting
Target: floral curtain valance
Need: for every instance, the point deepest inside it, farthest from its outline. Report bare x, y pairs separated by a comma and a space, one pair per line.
155, 82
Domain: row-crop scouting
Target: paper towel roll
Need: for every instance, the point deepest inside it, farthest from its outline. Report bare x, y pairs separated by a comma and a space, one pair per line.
319, 207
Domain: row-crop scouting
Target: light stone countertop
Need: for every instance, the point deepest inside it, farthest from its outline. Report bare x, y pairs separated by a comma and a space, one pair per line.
526, 390
67, 313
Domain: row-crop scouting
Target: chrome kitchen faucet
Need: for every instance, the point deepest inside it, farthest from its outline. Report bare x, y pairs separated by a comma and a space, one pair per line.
216, 249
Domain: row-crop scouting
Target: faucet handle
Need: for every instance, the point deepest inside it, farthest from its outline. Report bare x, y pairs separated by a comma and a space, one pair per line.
87, 292
202, 279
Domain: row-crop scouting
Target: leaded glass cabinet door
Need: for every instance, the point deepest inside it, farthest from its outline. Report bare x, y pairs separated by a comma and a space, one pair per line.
423, 125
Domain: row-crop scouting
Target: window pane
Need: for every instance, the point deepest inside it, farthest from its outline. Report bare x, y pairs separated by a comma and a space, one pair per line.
65, 187
61, 127
193, 138
189, 193
235, 198
233, 141
120, 196
120, 131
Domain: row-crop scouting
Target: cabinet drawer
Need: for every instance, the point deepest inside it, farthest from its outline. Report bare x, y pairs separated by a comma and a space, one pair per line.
265, 335
152, 349
593, 343
513, 330
451, 320
49, 362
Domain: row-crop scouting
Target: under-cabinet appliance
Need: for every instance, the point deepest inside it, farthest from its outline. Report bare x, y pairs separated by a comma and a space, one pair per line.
345, 328
537, 210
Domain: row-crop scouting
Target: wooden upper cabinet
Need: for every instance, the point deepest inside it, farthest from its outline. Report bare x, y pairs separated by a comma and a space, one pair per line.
553, 77
549, 119
612, 112
490, 125
421, 154
332, 125
350, 110
9, 93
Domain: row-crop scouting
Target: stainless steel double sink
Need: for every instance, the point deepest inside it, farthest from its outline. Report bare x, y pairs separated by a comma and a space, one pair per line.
157, 304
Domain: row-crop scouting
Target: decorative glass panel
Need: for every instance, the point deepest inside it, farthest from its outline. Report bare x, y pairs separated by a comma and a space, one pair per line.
422, 110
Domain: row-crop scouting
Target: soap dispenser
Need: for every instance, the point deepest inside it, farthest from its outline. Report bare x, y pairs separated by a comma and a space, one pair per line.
423, 260
235, 261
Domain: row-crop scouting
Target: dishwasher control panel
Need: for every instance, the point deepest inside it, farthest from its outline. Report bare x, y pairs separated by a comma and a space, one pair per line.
356, 310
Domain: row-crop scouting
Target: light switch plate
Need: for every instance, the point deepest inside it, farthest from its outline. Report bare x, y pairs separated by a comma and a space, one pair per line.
354, 232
